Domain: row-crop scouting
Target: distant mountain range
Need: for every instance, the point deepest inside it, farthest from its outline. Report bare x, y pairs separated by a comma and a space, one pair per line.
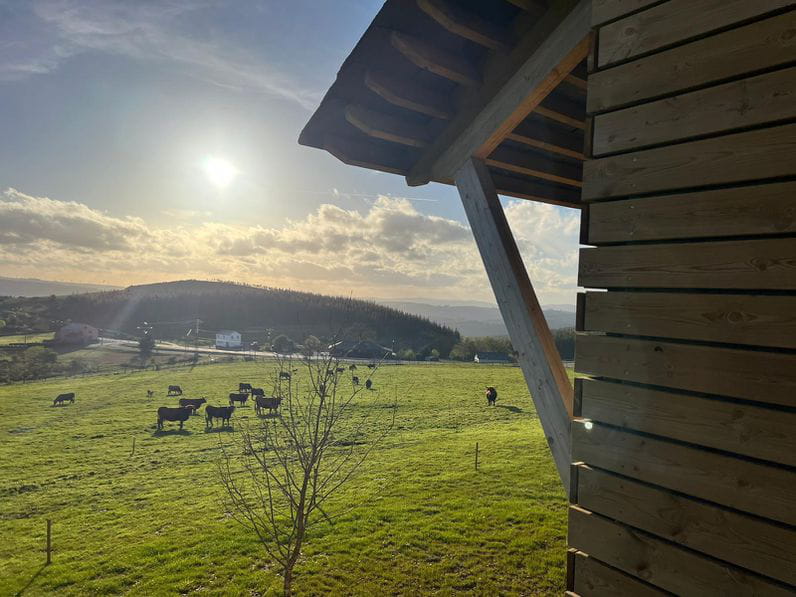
35, 287
474, 321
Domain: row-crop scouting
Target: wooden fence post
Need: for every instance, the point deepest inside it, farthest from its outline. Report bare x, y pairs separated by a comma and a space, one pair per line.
49, 541
476, 455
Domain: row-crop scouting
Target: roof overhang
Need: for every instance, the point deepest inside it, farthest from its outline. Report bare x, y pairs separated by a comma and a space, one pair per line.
434, 82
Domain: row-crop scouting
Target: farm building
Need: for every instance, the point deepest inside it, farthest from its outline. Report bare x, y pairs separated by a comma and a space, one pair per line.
670, 125
228, 339
491, 357
76, 333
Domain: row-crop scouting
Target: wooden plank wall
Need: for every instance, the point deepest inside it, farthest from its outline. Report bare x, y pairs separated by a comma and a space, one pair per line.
684, 441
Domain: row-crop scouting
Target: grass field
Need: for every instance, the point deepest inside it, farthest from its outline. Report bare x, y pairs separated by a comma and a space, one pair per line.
423, 522
30, 338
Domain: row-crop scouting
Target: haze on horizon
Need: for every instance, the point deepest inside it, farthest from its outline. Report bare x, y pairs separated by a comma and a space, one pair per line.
156, 141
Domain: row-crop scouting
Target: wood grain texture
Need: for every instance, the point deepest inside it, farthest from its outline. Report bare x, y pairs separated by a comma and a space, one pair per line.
440, 62
767, 377
745, 541
768, 321
537, 354
592, 578
660, 563
400, 93
387, 127
760, 45
466, 24
740, 211
607, 10
753, 431
536, 164
675, 22
759, 264
749, 102
745, 485
748, 156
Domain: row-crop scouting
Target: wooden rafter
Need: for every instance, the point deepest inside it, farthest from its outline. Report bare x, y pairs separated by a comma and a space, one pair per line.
576, 82
560, 117
357, 153
537, 165
388, 128
440, 62
533, 6
466, 24
549, 139
533, 190
408, 96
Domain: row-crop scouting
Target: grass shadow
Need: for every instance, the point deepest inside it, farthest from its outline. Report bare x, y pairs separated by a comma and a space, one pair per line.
224, 429
31, 581
269, 416
508, 407
165, 432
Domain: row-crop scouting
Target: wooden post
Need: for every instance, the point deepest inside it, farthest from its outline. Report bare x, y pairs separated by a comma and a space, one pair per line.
476, 455
537, 354
49, 541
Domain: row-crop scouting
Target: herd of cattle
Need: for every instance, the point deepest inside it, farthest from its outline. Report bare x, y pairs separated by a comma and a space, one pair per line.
189, 406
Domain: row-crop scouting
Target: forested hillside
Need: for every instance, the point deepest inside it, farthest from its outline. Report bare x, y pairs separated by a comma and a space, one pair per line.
259, 313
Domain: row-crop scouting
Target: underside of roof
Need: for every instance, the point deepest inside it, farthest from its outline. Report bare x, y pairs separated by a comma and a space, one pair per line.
426, 72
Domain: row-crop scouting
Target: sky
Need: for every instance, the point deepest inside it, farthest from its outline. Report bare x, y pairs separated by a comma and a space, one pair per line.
157, 140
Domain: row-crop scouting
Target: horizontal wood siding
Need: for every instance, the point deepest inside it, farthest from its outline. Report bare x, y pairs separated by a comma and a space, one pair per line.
762, 45
754, 431
671, 567
766, 548
757, 320
674, 22
739, 211
749, 102
683, 437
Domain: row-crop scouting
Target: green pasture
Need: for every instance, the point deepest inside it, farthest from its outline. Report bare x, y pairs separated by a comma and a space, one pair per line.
419, 519
29, 338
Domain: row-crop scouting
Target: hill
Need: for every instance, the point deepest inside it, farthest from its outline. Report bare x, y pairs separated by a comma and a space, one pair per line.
36, 287
476, 321
259, 313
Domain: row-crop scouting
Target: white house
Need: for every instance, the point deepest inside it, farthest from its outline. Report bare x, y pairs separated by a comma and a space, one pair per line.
228, 339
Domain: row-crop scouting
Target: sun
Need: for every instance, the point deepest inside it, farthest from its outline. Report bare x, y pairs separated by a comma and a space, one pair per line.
219, 172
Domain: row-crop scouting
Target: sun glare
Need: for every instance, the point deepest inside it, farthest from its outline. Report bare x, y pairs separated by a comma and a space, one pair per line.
219, 171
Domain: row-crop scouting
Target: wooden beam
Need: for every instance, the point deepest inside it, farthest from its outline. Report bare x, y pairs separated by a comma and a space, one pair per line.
577, 82
388, 128
535, 190
551, 139
440, 62
356, 152
560, 110
480, 132
536, 7
466, 24
408, 95
537, 355
536, 165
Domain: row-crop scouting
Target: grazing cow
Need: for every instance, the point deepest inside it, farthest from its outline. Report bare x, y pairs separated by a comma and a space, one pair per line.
150, 393
195, 403
244, 387
371, 365
340, 370
355, 379
258, 392
62, 398
233, 398
263, 402
491, 396
284, 375
368, 383
175, 391
166, 413
218, 412
352, 367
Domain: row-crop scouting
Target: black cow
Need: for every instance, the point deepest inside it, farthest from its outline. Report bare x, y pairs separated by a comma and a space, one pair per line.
150, 393
258, 392
284, 375
368, 384
61, 398
237, 397
175, 391
491, 396
371, 365
355, 379
352, 367
166, 413
195, 403
218, 412
244, 387
263, 402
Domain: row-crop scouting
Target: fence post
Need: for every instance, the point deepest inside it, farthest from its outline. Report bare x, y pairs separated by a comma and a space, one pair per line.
49, 541
476, 455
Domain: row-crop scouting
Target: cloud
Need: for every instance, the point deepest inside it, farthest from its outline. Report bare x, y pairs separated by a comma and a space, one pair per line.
145, 30
390, 249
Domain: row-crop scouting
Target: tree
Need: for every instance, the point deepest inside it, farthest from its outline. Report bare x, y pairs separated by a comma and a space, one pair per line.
283, 345
146, 344
407, 354
311, 345
283, 470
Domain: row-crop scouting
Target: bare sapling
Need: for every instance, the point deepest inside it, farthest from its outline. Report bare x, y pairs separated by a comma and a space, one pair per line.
279, 472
